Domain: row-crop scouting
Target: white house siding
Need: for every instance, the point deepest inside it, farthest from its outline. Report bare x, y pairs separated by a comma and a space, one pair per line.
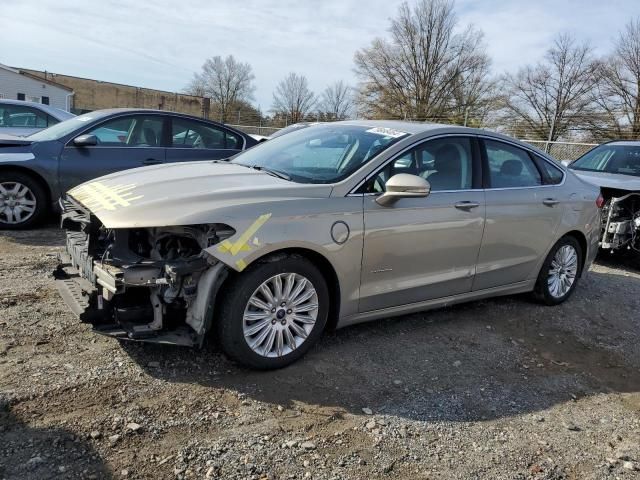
12, 83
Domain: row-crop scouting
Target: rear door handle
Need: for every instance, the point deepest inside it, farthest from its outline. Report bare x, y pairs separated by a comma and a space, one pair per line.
466, 205
150, 161
550, 202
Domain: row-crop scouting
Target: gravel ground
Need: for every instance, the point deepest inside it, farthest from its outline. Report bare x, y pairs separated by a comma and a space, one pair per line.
494, 389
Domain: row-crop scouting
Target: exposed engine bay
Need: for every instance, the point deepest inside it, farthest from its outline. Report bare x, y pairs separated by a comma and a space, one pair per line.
620, 220
151, 284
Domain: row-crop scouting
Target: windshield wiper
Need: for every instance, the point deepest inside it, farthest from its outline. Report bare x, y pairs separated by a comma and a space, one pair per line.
274, 173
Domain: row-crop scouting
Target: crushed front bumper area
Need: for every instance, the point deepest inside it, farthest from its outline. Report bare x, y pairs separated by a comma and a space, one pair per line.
152, 285
83, 300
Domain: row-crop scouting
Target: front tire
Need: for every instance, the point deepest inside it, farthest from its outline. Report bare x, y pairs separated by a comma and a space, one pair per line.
560, 272
23, 201
273, 312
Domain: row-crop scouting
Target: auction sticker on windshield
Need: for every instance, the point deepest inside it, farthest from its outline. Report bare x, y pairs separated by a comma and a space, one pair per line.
387, 132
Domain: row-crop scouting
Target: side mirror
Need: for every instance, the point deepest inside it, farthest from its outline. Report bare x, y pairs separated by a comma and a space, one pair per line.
87, 140
403, 185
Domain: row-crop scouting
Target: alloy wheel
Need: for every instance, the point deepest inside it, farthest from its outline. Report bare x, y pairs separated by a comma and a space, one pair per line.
563, 271
280, 315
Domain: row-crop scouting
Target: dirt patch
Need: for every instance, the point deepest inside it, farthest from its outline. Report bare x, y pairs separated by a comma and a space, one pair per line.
503, 388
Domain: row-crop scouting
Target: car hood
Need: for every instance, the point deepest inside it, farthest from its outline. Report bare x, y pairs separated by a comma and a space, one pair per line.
185, 194
12, 140
610, 180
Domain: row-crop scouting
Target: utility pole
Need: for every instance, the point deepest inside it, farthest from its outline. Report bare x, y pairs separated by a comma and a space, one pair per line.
551, 132
466, 115
238, 118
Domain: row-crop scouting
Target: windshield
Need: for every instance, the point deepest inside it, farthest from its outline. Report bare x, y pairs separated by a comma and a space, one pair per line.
322, 153
610, 158
61, 129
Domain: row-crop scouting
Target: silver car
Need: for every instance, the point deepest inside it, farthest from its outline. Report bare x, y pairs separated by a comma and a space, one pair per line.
21, 118
614, 167
327, 226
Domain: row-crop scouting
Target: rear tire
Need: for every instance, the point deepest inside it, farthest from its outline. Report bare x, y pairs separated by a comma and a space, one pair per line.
249, 320
23, 201
560, 272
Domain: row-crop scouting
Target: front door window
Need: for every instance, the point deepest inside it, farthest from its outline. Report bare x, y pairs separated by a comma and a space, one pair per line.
135, 131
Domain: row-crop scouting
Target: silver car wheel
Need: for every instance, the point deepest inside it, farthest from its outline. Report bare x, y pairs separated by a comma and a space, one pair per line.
280, 315
17, 203
563, 271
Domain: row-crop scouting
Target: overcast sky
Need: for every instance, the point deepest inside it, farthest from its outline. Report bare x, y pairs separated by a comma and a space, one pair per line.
160, 44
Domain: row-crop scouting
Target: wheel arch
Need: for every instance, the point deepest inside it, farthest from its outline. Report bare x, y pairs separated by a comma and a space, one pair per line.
584, 245
318, 260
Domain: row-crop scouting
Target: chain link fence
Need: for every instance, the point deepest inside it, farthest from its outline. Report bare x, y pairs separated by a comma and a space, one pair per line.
562, 150
256, 130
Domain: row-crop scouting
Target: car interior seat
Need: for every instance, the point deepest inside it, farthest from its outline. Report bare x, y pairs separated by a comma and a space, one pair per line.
510, 174
448, 169
150, 136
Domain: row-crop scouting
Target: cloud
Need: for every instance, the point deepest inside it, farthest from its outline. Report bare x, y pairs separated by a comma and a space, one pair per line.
160, 44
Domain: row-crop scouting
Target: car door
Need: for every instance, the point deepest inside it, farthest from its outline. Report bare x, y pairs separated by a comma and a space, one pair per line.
424, 248
523, 214
192, 140
123, 142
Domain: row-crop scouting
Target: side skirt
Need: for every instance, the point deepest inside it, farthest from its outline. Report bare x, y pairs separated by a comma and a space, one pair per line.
512, 289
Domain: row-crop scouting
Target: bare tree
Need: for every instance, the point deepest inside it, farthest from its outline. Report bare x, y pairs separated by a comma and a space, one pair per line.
618, 93
337, 101
226, 81
293, 98
473, 90
415, 72
555, 95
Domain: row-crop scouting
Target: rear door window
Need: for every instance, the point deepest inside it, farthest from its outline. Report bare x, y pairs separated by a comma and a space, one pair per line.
553, 175
510, 166
186, 133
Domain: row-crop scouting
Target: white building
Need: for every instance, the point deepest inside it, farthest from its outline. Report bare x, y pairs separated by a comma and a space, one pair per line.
19, 85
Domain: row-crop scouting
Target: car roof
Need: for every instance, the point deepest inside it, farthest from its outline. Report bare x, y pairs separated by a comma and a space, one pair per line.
625, 143
415, 128
112, 111
409, 127
53, 111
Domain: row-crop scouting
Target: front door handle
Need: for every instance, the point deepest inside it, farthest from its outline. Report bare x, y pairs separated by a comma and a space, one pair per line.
466, 205
150, 161
550, 202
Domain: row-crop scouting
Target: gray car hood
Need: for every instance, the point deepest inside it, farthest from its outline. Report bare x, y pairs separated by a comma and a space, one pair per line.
7, 139
610, 180
184, 194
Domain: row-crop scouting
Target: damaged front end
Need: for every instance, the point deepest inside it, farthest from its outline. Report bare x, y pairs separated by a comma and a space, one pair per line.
620, 220
145, 284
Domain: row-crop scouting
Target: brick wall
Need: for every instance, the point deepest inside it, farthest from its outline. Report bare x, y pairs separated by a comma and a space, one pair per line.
95, 95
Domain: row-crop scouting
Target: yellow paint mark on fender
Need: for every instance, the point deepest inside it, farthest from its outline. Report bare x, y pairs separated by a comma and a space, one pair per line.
240, 245
241, 264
